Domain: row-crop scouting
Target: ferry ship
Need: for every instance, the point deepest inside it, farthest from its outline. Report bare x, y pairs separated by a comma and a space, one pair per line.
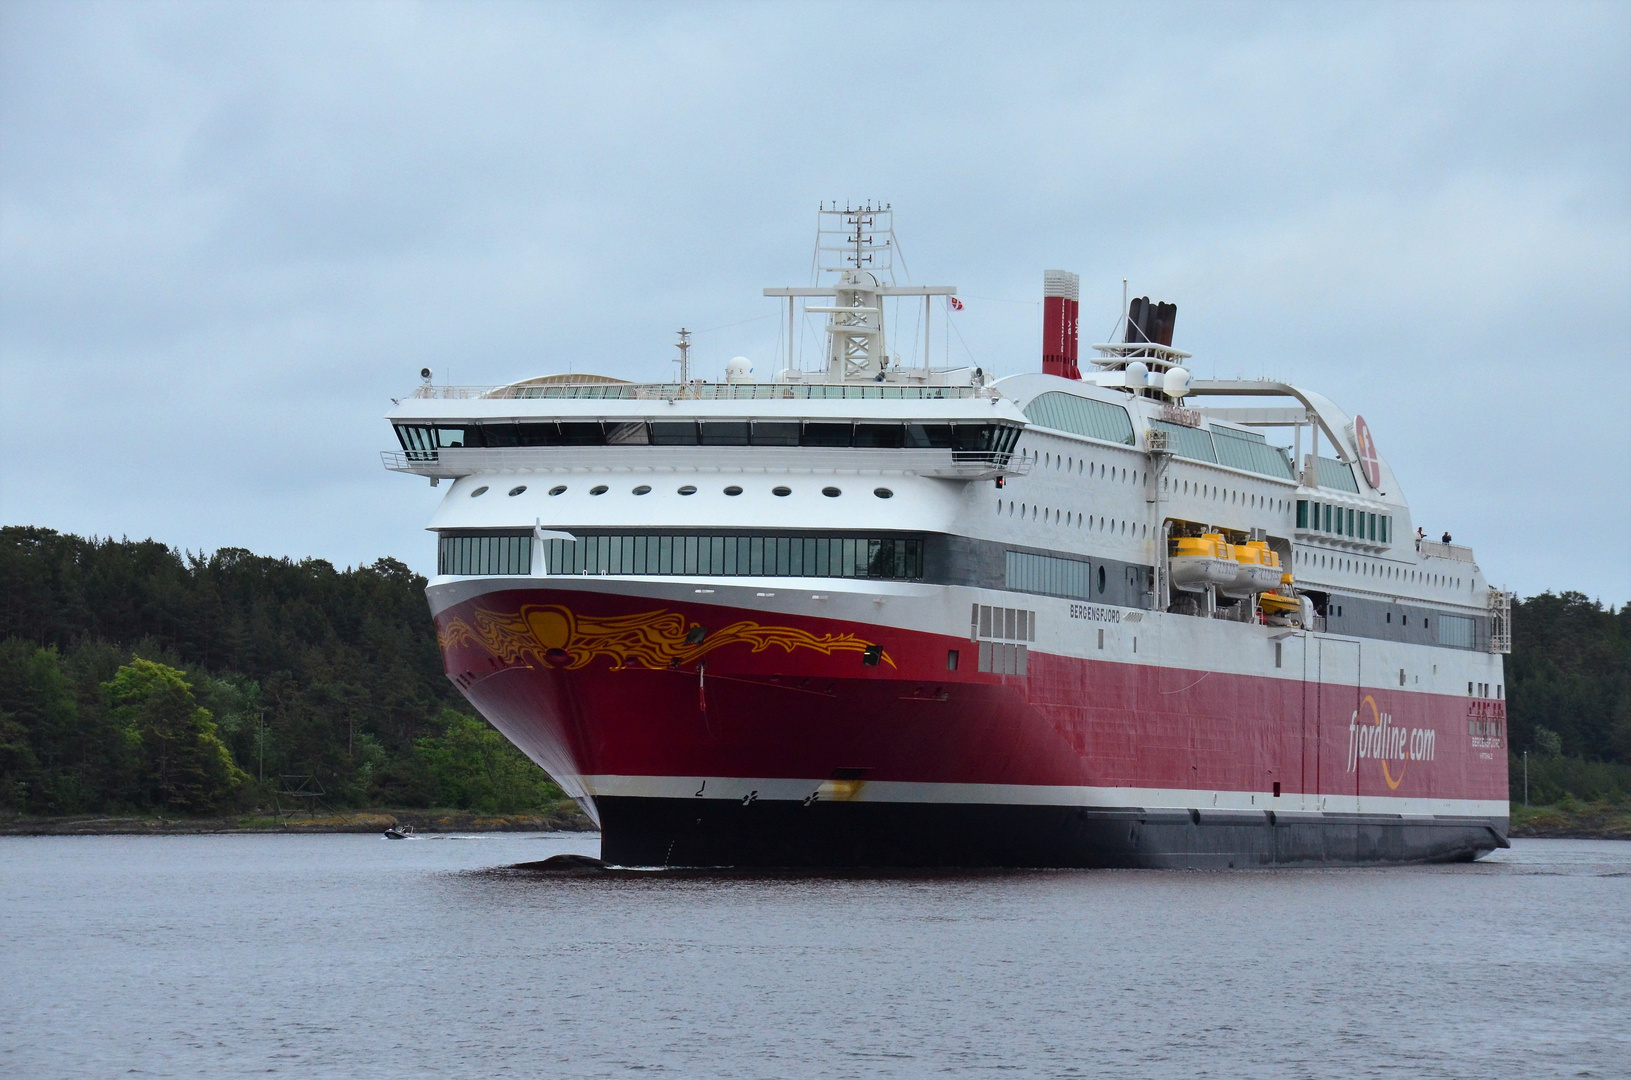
873, 613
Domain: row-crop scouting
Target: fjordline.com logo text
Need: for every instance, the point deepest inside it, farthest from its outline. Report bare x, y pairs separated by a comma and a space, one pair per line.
1379, 739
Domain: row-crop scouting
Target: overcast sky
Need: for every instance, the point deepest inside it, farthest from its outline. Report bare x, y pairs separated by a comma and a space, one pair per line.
230, 234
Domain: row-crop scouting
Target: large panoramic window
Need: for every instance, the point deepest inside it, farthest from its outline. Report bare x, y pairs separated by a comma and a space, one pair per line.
1249, 451
1192, 443
1081, 416
1337, 476
894, 558
479, 555
1047, 575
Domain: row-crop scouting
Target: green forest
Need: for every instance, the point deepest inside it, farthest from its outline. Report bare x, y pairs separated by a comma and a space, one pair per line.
135, 678
138, 679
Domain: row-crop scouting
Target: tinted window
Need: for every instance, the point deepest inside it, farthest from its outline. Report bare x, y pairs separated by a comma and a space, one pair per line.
725, 433
455, 437
880, 435
498, 434
673, 433
546, 434
929, 436
974, 436
578, 433
826, 434
775, 433
630, 434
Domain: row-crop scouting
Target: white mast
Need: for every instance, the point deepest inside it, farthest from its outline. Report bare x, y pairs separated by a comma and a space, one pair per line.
858, 244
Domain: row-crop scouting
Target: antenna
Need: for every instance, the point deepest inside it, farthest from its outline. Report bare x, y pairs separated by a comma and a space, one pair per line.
684, 359
1124, 309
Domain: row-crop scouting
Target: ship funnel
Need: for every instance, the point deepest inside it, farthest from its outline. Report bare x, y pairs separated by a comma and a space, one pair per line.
1061, 298
1147, 322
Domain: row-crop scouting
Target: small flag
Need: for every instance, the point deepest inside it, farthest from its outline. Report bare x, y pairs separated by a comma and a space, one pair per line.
956, 304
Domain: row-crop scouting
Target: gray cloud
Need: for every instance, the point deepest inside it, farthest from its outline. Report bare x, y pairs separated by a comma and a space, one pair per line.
228, 234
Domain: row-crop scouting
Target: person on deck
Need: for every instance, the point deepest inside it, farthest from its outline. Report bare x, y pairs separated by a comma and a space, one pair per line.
1446, 536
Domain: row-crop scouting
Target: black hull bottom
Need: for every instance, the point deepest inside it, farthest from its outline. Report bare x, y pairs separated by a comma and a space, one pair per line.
765, 834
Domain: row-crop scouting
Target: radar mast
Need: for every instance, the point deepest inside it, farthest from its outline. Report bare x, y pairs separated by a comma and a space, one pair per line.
857, 243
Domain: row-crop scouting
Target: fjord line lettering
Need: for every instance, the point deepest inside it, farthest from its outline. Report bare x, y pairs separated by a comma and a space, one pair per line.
1381, 741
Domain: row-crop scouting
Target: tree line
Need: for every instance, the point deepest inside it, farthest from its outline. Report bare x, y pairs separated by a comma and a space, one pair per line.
1569, 698
134, 677
137, 678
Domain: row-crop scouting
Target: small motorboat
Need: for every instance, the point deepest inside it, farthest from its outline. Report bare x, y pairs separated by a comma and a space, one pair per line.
401, 832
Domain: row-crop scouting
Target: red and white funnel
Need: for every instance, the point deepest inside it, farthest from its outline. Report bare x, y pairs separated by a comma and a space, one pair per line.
1061, 296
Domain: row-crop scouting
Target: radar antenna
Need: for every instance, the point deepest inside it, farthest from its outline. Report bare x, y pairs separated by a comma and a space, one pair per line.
684, 358
857, 243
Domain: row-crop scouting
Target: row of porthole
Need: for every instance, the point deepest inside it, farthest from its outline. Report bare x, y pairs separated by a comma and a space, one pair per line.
1067, 518
1239, 498
1377, 570
685, 489
1071, 464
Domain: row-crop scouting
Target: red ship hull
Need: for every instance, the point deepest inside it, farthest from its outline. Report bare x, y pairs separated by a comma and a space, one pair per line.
702, 734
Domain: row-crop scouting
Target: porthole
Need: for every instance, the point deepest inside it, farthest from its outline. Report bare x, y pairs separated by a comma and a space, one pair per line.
517, 490
781, 491
831, 492
883, 493
479, 491
556, 490
688, 489
643, 489
1101, 578
733, 490
598, 489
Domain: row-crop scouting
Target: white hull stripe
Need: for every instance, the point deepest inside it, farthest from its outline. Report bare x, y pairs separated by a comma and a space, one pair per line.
893, 791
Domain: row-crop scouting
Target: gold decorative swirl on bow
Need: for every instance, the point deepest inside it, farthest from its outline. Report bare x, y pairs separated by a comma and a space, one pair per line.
653, 639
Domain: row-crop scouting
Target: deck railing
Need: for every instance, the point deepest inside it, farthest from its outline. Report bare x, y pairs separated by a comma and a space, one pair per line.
1432, 548
869, 391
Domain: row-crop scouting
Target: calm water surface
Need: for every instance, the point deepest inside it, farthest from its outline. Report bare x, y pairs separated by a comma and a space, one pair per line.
353, 956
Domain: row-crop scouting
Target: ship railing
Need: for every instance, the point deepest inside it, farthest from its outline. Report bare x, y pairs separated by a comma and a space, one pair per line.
454, 462
868, 391
1434, 549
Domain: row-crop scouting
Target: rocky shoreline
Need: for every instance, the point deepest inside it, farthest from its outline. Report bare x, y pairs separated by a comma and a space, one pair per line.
563, 818
1573, 821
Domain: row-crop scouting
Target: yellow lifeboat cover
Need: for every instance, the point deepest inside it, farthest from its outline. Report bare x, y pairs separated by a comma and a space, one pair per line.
1256, 552
1198, 547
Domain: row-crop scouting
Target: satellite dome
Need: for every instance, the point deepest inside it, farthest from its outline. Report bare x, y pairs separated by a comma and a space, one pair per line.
739, 369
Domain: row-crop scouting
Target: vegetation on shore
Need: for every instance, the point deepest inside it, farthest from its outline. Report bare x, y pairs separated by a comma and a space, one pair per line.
139, 680
1568, 696
135, 679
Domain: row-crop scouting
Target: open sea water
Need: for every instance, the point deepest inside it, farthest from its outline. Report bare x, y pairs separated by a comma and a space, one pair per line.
355, 956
